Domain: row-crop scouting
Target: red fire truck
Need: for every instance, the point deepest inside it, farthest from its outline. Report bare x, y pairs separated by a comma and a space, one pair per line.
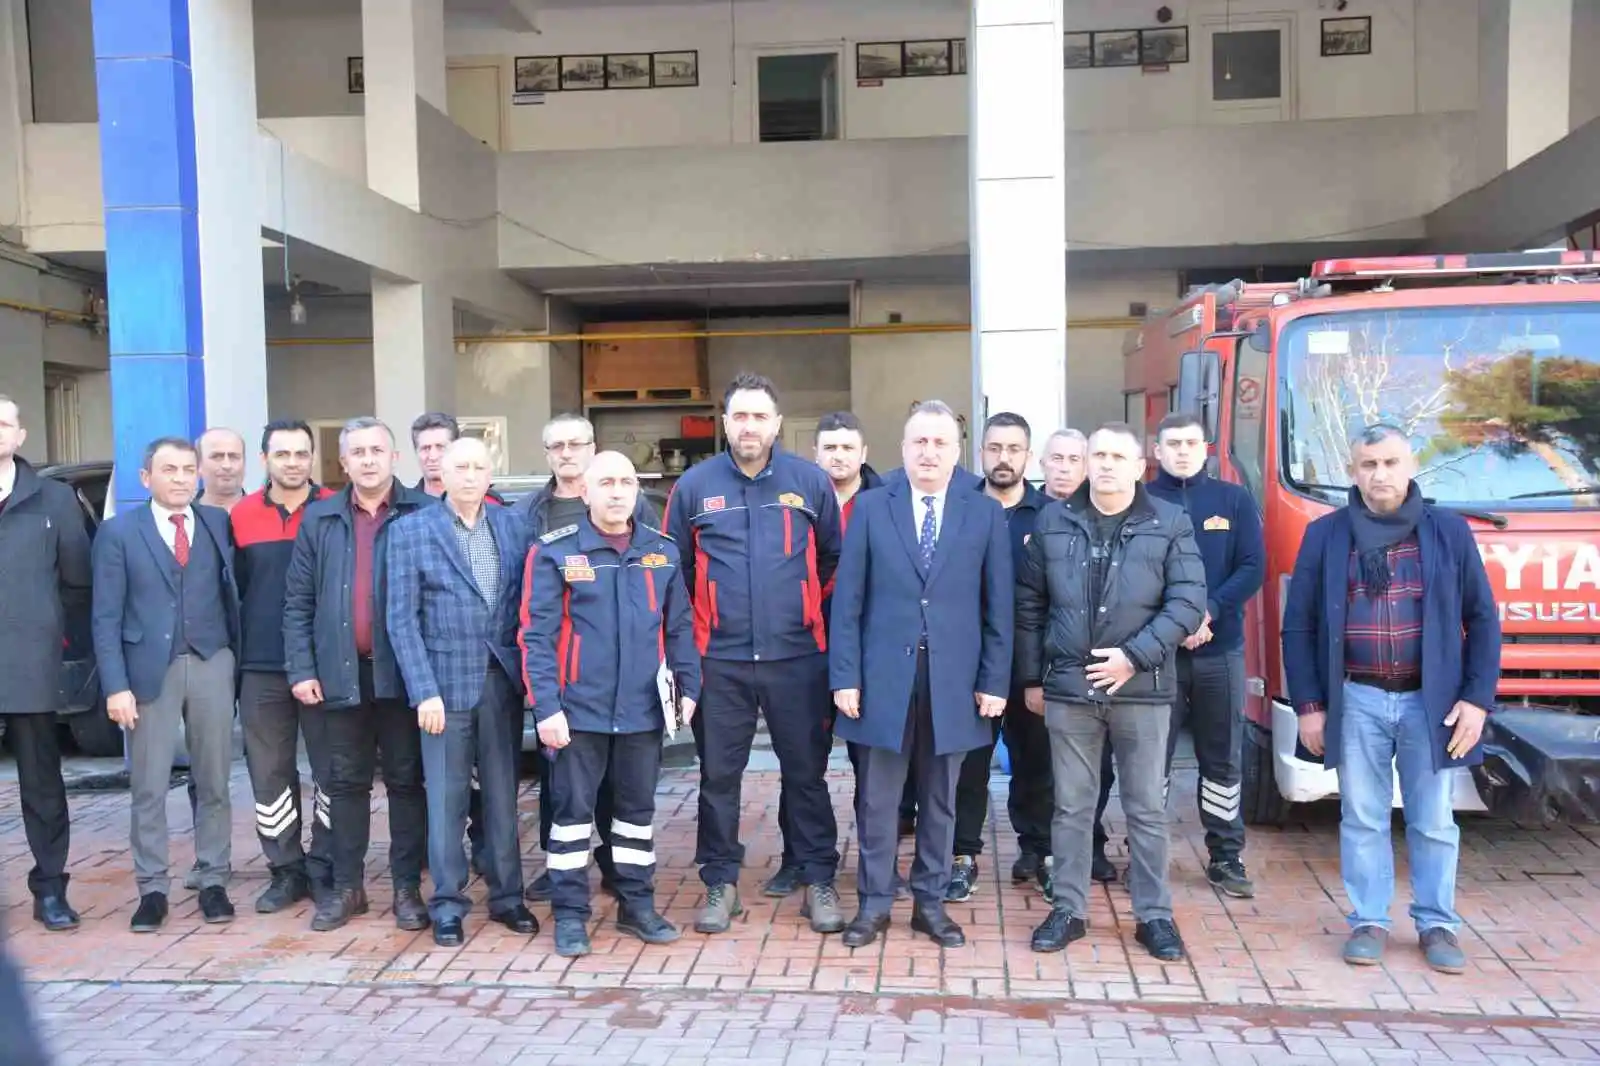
1491, 364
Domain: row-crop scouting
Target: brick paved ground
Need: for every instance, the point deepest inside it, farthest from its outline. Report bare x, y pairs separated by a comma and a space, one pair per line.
773, 991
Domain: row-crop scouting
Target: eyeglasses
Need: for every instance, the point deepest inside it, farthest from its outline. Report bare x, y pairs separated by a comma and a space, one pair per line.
568, 445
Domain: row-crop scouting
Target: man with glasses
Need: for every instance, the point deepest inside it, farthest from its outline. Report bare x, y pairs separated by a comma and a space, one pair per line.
559, 504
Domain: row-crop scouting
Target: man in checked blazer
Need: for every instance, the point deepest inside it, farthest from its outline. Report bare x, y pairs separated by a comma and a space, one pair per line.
454, 586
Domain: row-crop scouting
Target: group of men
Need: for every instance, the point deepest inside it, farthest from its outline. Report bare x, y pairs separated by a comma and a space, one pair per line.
1086, 624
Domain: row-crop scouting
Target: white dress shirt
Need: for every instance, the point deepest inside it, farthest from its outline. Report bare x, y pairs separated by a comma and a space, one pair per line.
168, 531
918, 509
8, 479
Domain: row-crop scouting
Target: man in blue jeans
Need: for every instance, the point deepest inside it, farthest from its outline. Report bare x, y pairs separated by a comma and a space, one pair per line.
1391, 642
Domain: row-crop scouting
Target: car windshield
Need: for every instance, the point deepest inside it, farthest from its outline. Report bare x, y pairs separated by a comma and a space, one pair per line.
1501, 403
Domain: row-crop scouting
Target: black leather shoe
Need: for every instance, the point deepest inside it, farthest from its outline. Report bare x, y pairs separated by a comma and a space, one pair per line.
1025, 869
410, 913
215, 906
55, 913
647, 925
1058, 929
539, 890
1161, 939
864, 929
572, 938
335, 909
786, 882
1102, 869
447, 933
152, 913
937, 926
518, 919
288, 888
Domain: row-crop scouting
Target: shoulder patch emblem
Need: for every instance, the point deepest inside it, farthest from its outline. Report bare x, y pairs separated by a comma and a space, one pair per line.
1216, 523
577, 573
715, 503
792, 499
654, 560
557, 534
577, 560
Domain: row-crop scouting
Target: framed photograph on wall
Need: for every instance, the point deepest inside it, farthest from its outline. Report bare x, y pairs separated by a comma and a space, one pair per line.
1079, 51
958, 56
1167, 45
537, 74
927, 59
675, 70
583, 72
1116, 48
1347, 36
629, 70
880, 59
355, 80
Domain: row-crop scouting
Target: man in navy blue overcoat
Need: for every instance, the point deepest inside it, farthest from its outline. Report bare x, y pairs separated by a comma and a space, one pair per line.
920, 655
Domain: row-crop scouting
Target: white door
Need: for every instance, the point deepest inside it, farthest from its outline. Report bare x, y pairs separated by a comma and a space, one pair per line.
800, 436
474, 100
1246, 68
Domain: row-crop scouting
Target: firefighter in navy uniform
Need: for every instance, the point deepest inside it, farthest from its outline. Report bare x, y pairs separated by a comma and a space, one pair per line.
603, 608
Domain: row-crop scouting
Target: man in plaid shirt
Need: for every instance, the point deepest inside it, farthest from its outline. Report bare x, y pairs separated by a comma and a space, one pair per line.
1391, 642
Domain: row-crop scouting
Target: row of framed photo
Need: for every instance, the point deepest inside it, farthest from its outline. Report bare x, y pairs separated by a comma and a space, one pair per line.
1127, 48
911, 59
624, 70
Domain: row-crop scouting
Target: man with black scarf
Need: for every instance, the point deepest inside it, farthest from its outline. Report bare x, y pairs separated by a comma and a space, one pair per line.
1391, 643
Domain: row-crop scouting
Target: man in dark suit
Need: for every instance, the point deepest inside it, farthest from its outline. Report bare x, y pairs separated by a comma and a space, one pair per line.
166, 625
930, 563
44, 566
454, 586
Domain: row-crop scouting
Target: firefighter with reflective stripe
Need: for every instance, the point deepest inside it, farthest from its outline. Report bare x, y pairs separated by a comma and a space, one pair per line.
605, 629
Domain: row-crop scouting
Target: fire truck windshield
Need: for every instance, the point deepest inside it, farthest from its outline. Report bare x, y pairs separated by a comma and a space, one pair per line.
1500, 402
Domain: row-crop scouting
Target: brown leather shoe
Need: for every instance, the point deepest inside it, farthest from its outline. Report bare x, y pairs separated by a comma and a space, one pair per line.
335, 909
410, 912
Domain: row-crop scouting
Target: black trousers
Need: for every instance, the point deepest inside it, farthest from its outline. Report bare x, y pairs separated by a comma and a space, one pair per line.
627, 765
1031, 800
883, 779
602, 816
44, 799
272, 721
1211, 702
485, 738
972, 795
792, 694
359, 739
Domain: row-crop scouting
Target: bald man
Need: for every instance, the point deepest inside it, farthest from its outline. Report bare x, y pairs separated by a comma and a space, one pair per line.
454, 587
221, 453
607, 645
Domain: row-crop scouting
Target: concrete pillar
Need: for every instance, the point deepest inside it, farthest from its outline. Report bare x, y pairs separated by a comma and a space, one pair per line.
16, 107
414, 361
176, 88
1018, 214
402, 44
1525, 81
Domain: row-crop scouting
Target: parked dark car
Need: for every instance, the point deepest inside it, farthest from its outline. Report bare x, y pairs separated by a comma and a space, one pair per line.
81, 706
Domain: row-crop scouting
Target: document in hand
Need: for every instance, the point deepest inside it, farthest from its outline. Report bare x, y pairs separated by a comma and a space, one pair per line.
667, 688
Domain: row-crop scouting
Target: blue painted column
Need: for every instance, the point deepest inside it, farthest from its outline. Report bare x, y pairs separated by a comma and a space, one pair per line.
148, 175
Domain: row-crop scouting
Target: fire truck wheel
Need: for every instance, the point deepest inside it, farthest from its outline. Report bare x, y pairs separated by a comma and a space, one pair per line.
1263, 803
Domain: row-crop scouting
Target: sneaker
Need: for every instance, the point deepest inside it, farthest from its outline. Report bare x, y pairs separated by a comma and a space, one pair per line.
1228, 876
1047, 879
647, 925
963, 879
1365, 946
1160, 937
1441, 949
822, 907
786, 882
721, 908
1025, 869
1058, 930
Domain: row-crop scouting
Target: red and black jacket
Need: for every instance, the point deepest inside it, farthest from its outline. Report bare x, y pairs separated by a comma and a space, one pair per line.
263, 536
757, 553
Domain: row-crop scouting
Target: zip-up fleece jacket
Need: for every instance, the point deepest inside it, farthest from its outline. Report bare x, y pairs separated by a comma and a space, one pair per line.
757, 553
1228, 532
1155, 596
595, 627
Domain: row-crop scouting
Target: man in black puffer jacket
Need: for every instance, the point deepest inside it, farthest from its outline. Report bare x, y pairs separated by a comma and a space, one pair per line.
1110, 585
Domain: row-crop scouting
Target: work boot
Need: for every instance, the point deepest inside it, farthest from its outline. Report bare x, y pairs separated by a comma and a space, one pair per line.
288, 888
335, 910
786, 882
963, 879
1025, 869
1228, 876
572, 938
722, 907
822, 907
647, 925
410, 912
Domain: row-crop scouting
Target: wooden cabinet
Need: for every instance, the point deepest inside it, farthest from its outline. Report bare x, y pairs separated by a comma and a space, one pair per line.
664, 368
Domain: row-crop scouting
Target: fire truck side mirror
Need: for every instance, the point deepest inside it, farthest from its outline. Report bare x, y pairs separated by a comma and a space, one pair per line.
1199, 388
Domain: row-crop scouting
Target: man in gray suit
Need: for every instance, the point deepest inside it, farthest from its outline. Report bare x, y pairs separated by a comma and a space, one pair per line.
166, 623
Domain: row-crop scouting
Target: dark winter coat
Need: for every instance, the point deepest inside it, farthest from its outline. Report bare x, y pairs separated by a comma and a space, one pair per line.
44, 571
